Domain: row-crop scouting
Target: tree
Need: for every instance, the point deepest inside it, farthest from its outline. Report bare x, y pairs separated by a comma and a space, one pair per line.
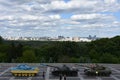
1, 40
74, 60
11, 52
28, 56
3, 57
19, 50
70, 48
108, 58
82, 59
94, 55
64, 59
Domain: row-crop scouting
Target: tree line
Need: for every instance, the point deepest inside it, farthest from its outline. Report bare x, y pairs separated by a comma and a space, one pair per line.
104, 50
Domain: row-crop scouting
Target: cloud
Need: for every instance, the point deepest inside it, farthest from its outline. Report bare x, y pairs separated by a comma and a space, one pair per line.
82, 6
86, 16
93, 18
43, 17
72, 6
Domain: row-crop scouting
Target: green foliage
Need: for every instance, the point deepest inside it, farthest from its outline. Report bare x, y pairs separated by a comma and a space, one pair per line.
108, 58
3, 57
1, 40
94, 55
82, 59
14, 51
28, 56
64, 59
95, 61
103, 50
74, 60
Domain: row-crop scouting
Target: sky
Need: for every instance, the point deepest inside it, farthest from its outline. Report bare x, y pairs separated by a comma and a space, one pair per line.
38, 18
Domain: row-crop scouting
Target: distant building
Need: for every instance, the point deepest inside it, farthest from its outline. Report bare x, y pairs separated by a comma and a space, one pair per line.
76, 39
85, 40
59, 38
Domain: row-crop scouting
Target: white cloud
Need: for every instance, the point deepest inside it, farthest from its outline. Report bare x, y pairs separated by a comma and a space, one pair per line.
110, 1
38, 17
7, 17
86, 16
91, 19
82, 6
62, 7
55, 16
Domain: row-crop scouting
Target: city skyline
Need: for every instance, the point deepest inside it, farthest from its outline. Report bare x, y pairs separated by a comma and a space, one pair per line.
60, 17
59, 38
